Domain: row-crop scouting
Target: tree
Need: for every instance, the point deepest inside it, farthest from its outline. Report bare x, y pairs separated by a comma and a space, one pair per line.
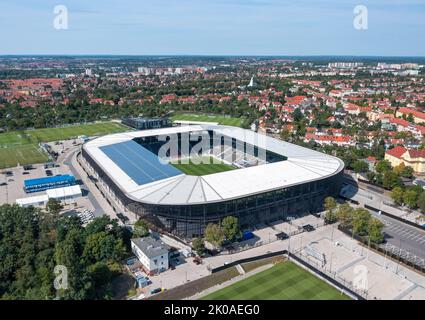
410, 197
420, 202
374, 231
330, 206
297, 115
214, 234
54, 207
360, 223
407, 172
141, 229
230, 227
383, 166
102, 246
399, 169
397, 195
35, 245
360, 166
390, 180
198, 245
344, 215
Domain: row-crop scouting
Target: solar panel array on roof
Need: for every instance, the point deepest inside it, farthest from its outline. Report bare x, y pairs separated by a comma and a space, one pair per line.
138, 163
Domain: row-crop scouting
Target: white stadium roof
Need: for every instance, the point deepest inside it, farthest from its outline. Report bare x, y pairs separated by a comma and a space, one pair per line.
302, 165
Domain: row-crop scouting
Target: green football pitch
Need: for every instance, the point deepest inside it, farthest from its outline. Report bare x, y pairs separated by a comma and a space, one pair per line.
284, 281
201, 166
92, 129
22, 146
23, 154
227, 121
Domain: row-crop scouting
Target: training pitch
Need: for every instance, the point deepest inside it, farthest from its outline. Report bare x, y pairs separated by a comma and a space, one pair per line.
227, 121
284, 281
22, 146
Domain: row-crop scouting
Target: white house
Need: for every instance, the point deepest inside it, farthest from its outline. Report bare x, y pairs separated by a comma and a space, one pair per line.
152, 253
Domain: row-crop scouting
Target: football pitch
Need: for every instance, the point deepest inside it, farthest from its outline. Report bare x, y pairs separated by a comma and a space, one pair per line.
23, 154
92, 129
201, 166
284, 281
21, 147
227, 121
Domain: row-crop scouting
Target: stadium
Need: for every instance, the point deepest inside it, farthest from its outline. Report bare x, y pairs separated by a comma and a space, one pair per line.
254, 177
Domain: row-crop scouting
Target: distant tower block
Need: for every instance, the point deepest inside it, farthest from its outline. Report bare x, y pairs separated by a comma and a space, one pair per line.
251, 83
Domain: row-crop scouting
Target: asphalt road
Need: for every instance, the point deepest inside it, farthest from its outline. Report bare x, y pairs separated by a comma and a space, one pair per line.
397, 233
403, 236
98, 211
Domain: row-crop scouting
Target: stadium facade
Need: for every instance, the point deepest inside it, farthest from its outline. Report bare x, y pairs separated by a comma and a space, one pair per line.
274, 180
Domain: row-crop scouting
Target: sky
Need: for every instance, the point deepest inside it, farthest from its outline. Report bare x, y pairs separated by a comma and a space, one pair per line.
213, 27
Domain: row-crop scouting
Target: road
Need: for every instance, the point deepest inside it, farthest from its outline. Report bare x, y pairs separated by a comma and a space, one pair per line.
403, 236
68, 160
397, 233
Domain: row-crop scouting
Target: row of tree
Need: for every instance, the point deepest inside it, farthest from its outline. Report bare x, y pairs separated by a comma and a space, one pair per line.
413, 197
389, 177
358, 220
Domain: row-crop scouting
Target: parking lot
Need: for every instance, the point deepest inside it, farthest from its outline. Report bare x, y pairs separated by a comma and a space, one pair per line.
14, 179
12, 182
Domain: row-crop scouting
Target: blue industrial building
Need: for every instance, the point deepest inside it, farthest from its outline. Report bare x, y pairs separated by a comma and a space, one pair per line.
42, 184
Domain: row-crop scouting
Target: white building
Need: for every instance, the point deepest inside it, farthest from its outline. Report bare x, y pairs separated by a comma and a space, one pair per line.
66, 194
152, 253
143, 70
35, 201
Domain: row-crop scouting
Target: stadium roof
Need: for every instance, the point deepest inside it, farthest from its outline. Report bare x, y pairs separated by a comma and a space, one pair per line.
174, 188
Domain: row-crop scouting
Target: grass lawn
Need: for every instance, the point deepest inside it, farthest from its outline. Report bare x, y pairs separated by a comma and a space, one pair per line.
15, 138
236, 122
92, 129
203, 166
284, 281
22, 146
24, 154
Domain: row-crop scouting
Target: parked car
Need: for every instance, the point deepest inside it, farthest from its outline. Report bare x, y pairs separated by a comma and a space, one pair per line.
155, 291
308, 227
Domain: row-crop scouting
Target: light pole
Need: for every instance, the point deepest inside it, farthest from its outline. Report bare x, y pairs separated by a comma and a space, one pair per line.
399, 257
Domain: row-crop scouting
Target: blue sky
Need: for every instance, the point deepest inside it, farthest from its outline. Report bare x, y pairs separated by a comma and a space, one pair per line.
213, 27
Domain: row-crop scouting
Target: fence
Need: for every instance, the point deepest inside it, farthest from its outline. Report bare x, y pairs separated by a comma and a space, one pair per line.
328, 275
410, 223
335, 280
272, 238
245, 260
391, 251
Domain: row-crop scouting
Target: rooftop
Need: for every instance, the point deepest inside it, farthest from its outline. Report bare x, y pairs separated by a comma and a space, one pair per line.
302, 165
151, 247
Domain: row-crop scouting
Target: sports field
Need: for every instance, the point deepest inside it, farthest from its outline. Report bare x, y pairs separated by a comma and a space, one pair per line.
201, 166
92, 129
22, 146
284, 281
227, 121
23, 154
